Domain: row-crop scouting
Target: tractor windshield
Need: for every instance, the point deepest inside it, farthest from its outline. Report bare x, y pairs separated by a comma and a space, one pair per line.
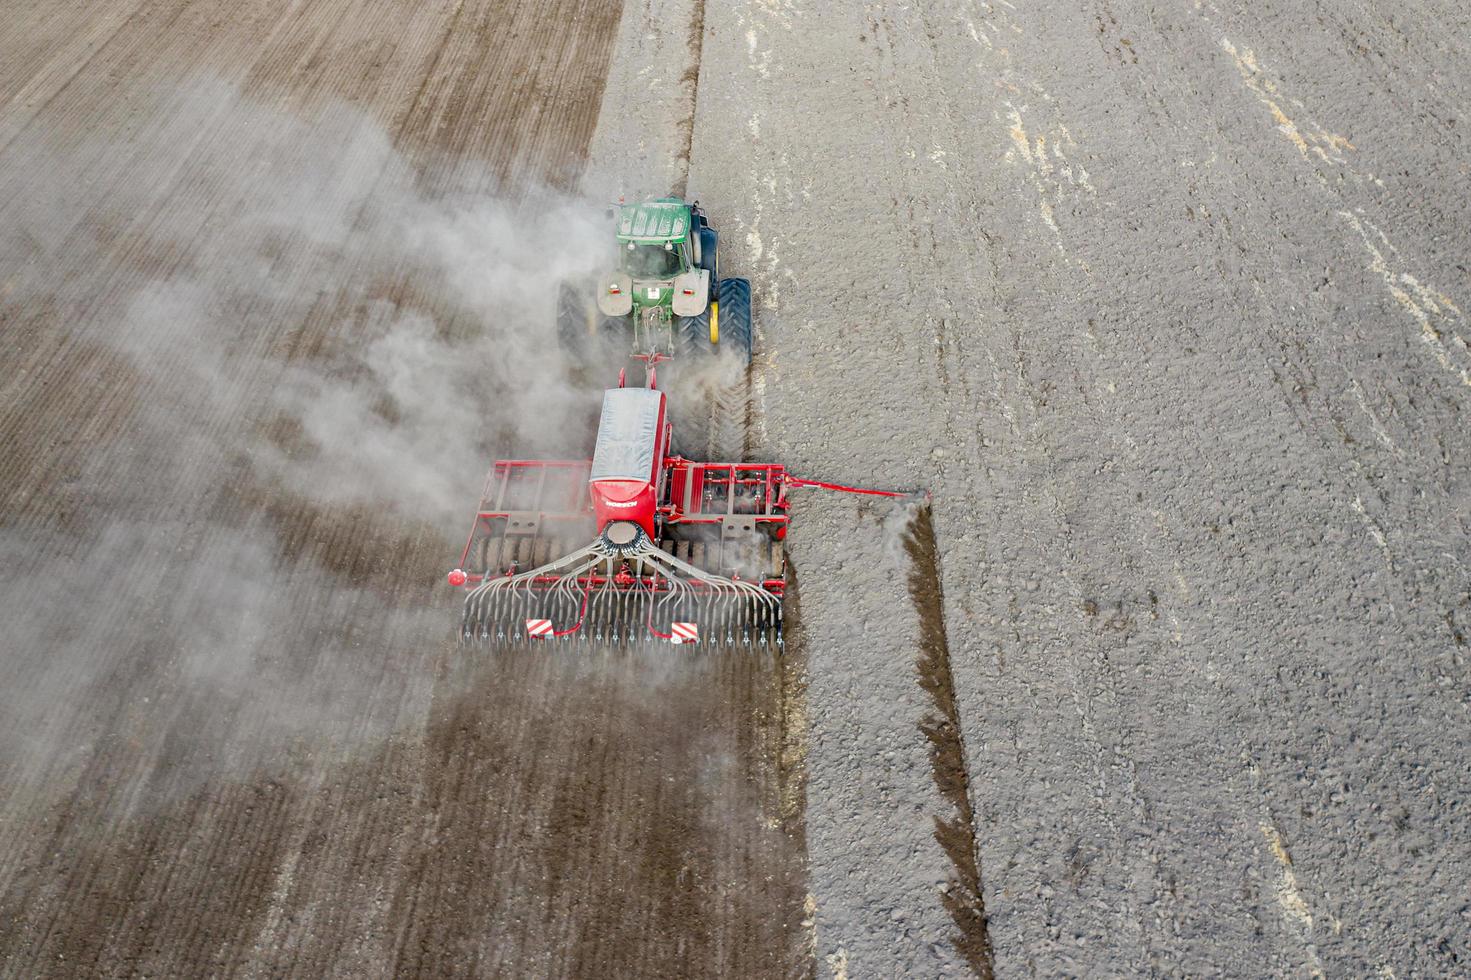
650, 261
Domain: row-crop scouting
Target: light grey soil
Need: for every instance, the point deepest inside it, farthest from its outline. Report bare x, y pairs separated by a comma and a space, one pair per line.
1165, 306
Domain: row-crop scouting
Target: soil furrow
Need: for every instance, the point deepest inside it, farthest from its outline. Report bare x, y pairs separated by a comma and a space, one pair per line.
956, 835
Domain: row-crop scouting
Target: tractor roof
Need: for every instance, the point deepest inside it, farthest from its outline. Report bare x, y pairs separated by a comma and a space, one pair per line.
664, 220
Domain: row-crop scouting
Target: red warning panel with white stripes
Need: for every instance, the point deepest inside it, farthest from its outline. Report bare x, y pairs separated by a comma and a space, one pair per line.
539, 627
684, 633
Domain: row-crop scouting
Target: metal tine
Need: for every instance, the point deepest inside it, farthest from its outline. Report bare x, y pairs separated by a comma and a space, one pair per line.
615, 617
730, 612
618, 616
643, 614
633, 623
608, 613
605, 598
511, 617
610, 606
620, 612
593, 621
584, 634
588, 609
610, 610
633, 620
572, 612
605, 615
711, 614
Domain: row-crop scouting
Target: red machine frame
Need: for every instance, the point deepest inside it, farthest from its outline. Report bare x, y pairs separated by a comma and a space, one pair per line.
632, 532
536, 497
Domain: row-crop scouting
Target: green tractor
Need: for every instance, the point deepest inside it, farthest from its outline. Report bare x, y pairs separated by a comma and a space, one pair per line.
666, 298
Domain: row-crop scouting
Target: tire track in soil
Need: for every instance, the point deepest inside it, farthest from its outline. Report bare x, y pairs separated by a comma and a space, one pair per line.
549, 816
691, 81
801, 939
956, 835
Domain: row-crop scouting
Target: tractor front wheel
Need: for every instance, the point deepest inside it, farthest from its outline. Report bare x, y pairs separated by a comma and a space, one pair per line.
709, 258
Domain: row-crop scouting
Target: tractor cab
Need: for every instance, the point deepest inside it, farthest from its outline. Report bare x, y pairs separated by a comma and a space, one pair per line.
646, 260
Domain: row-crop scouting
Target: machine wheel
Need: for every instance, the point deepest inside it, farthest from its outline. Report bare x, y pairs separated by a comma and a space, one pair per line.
775, 560
487, 554
735, 317
507, 555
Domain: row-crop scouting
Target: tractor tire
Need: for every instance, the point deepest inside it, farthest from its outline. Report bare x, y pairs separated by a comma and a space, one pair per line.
729, 403
591, 342
693, 355
710, 256
735, 318
692, 335
611, 347
574, 324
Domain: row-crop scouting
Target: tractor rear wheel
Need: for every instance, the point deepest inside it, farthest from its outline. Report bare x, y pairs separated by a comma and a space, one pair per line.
692, 335
590, 341
735, 317
581, 330
574, 323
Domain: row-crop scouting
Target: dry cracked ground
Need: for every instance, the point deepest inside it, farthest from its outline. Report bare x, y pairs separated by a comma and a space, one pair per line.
1165, 305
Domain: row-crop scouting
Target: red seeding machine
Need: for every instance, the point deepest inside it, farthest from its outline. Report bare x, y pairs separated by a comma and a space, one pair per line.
632, 545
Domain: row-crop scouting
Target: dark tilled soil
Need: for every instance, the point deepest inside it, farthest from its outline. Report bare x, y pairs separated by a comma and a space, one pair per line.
236, 736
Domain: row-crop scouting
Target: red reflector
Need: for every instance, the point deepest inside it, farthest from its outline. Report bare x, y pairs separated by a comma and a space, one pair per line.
457, 578
614, 290
689, 292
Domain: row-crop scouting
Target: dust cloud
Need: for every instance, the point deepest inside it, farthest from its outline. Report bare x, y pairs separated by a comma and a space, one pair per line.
419, 307
300, 372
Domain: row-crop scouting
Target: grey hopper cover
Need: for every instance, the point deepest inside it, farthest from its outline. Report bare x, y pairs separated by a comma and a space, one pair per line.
627, 432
